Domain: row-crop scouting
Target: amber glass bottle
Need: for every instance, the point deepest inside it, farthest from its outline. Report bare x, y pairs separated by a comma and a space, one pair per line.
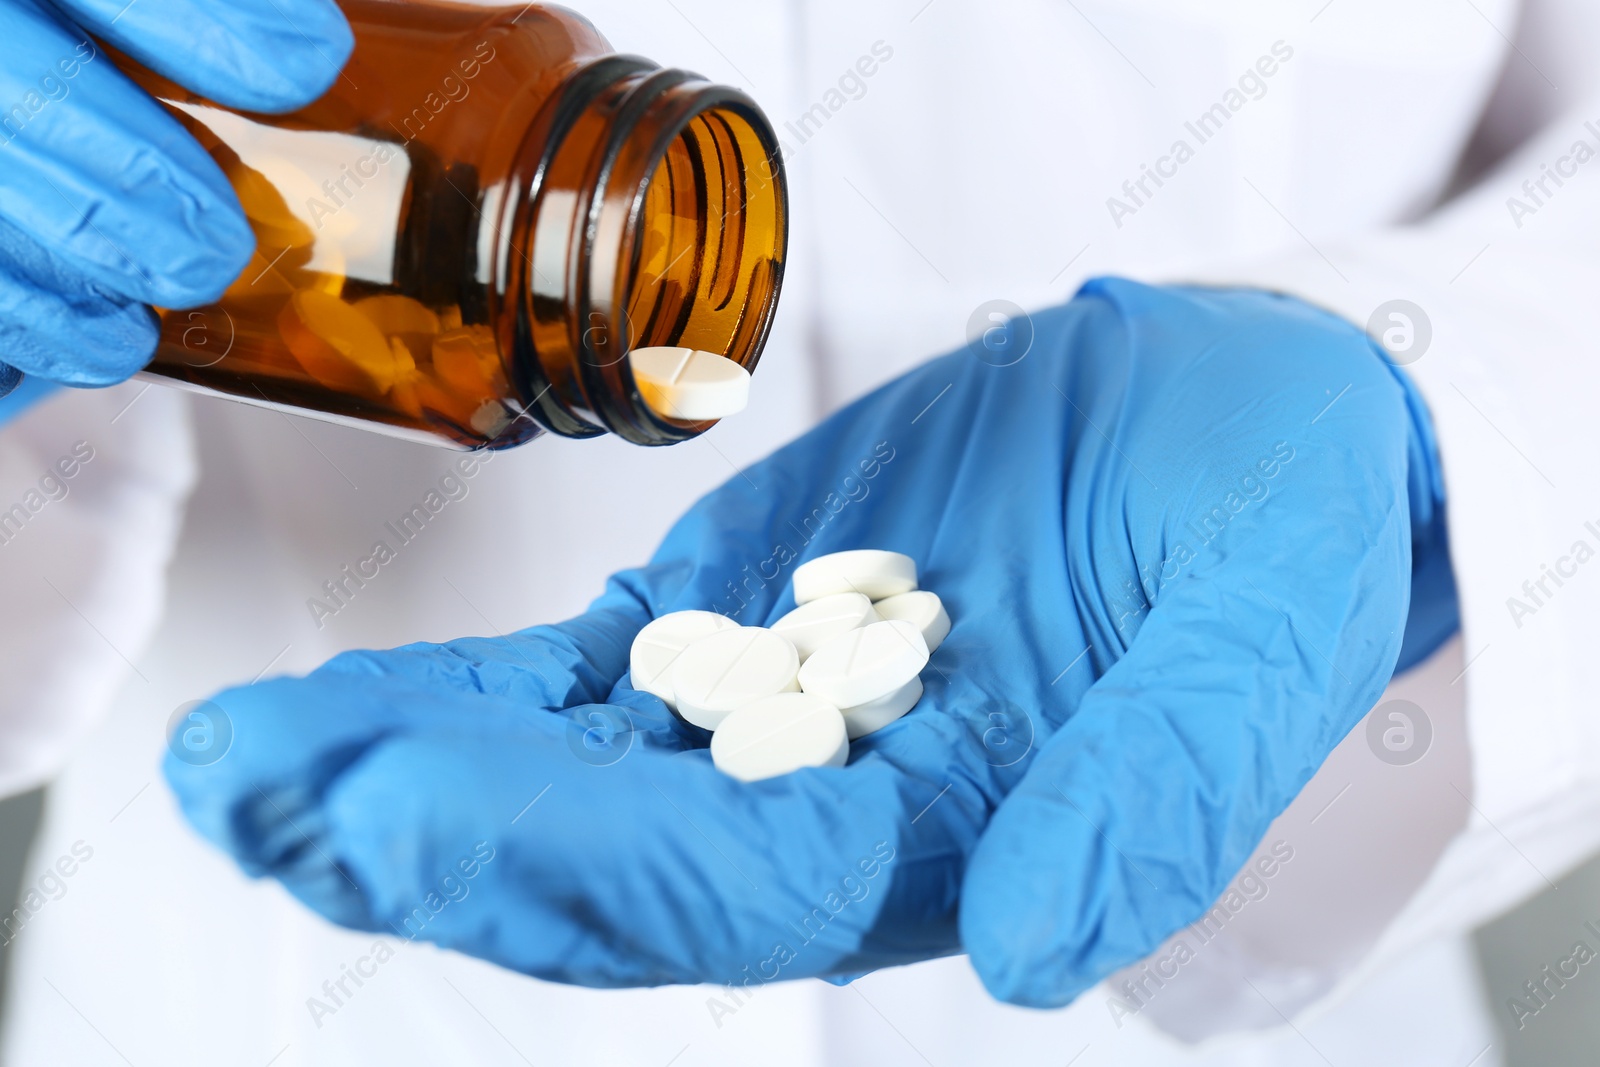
463, 239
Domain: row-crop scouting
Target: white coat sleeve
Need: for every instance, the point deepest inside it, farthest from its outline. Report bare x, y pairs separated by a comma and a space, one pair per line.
1503, 283
92, 489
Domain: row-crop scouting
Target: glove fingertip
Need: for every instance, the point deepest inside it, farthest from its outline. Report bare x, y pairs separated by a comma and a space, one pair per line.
842, 980
122, 345
1025, 920
988, 931
86, 338
310, 54
1013, 964
200, 802
130, 341
268, 56
227, 244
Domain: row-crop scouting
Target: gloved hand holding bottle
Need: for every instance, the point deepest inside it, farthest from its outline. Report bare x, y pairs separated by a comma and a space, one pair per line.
1180, 538
106, 204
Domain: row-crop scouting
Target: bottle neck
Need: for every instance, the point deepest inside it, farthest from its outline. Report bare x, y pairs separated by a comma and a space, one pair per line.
650, 208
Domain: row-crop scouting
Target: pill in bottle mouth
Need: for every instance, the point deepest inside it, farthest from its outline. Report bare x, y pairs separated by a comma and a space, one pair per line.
688, 384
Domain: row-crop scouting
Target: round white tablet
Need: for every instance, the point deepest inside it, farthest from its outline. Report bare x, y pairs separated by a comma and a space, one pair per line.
778, 735
729, 669
863, 665
872, 572
922, 609
688, 384
863, 719
810, 626
658, 645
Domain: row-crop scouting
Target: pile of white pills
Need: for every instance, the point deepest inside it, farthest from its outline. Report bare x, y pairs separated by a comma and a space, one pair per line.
847, 661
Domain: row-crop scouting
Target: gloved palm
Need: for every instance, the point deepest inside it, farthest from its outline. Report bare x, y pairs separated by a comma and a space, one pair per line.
1176, 541
106, 204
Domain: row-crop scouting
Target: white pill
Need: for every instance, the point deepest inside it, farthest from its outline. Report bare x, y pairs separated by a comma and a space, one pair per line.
864, 665
780, 734
658, 645
810, 626
688, 384
722, 673
874, 573
922, 609
863, 719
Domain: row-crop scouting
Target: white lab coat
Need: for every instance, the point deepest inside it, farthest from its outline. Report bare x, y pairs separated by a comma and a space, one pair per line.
976, 163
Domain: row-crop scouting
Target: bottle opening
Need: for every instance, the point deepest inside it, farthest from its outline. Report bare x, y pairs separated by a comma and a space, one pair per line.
660, 220
709, 242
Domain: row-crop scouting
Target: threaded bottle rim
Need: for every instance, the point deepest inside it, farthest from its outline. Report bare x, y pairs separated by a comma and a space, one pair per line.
573, 272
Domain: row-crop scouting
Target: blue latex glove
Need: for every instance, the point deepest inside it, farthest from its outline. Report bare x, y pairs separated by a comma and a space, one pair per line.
106, 204
20, 394
516, 799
